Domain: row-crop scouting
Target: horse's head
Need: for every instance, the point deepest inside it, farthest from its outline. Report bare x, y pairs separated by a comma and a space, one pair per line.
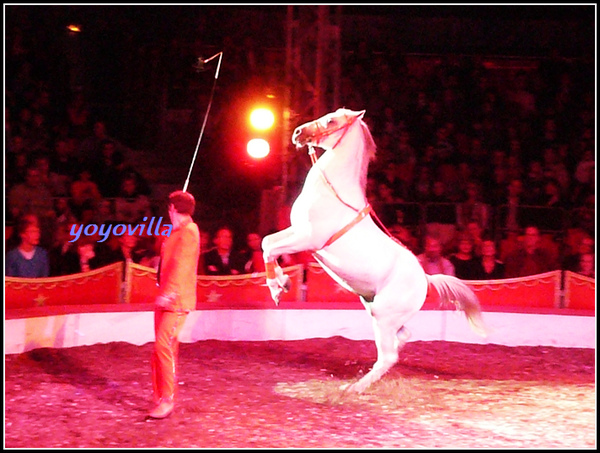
327, 130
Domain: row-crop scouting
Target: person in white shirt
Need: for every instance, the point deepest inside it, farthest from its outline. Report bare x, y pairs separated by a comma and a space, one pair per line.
432, 259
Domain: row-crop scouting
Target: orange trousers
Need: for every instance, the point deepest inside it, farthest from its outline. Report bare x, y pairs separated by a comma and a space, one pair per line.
167, 326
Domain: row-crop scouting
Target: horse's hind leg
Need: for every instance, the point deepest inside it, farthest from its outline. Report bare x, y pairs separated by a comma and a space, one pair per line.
388, 339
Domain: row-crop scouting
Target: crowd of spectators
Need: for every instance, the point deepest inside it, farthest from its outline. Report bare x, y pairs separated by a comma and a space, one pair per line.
490, 156
503, 146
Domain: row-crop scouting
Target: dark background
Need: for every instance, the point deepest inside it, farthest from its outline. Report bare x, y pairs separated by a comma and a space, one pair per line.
135, 65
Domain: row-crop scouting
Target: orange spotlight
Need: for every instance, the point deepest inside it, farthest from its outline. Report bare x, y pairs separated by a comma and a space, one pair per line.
262, 118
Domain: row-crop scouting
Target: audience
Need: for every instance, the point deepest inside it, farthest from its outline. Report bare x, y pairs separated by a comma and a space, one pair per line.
224, 259
84, 192
58, 186
441, 215
464, 260
586, 266
28, 259
253, 254
63, 256
131, 206
443, 128
530, 258
585, 245
432, 260
489, 266
472, 209
33, 197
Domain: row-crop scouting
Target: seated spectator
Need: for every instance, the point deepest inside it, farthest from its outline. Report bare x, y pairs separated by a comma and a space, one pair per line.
584, 215
129, 249
432, 260
28, 259
476, 232
586, 266
148, 251
107, 169
402, 233
205, 246
131, 206
63, 162
84, 190
63, 256
16, 169
530, 258
53, 181
125, 168
534, 182
104, 212
552, 196
223, 259
383, 203
12, 240
464, 260
91, 145
87, 255
472, 209
585, 245
78, 115
584, 180
489, 266
64, 213
441, 215
253, 254
33, 197
510, 208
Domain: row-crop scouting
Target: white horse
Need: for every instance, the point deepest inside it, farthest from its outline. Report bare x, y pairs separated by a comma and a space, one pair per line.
332, 219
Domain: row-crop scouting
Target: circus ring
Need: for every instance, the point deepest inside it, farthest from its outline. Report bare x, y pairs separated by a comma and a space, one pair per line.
258, 376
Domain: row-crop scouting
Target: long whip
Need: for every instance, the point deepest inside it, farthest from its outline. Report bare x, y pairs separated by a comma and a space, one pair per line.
199, 67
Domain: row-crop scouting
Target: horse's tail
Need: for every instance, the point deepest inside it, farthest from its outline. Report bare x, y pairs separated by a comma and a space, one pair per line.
455, 291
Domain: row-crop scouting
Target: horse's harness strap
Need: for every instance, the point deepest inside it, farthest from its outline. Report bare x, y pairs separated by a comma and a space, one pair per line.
361, 215
364, 211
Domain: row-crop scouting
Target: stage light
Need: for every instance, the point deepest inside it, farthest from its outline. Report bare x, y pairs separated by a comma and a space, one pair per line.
258, 148
262, 118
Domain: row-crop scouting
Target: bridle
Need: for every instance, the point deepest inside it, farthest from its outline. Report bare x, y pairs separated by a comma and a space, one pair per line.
321, 133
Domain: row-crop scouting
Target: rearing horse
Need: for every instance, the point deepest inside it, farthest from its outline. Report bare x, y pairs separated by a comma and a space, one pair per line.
332, 219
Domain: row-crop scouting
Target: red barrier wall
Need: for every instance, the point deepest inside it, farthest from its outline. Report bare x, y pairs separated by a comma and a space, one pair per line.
580, 292
104, 286
99, 286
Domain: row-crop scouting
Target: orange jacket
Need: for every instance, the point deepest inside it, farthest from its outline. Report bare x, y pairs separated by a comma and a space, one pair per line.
178, 267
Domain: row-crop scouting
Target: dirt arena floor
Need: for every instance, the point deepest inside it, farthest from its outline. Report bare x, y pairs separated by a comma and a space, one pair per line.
285, 394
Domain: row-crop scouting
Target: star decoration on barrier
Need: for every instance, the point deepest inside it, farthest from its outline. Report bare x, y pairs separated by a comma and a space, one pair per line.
213, 296
39, 300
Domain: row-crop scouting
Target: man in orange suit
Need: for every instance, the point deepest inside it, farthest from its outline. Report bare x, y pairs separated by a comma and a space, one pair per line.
177, 297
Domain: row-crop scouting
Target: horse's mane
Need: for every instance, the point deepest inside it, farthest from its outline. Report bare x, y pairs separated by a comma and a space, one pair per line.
369, 154
371, 150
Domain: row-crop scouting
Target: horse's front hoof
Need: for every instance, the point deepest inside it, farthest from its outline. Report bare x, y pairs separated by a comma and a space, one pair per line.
286, 285
275, 290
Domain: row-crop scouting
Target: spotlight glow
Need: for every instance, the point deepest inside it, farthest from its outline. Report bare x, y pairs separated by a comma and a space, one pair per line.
262, 119
258, 148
